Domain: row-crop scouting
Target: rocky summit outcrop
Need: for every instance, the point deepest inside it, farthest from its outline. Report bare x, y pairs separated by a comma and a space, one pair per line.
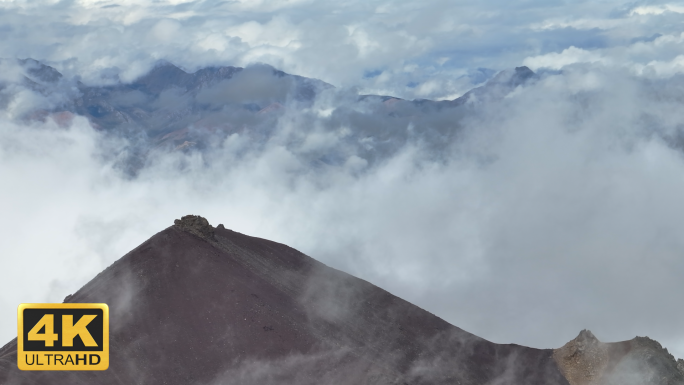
196, 225
204, 305
641, 361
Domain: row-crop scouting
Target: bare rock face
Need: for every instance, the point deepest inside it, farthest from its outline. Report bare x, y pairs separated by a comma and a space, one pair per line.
196, 225
641, 361
583, 359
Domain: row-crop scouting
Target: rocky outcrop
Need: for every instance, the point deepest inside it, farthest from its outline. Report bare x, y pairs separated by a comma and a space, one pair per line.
583, 359
196, 225
641, 361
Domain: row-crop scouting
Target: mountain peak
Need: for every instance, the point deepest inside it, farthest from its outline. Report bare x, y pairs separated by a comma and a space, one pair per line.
586, 337
641, 361
513, 77
524, 70
188, 308
197, 304
39, 71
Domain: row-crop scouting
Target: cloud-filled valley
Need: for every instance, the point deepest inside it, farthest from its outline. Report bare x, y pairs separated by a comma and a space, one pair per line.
523, 213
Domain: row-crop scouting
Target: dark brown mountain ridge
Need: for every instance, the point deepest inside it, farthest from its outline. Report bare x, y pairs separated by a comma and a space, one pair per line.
196, 304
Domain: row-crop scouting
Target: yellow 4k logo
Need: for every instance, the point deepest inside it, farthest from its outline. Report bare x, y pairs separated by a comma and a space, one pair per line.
63, 336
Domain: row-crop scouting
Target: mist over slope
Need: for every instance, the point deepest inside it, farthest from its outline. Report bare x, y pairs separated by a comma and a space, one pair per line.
196, 304
552, 203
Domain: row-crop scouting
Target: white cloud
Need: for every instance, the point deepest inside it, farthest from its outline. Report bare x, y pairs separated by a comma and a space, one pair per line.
569, 56
278, 32
574, 201
657, 9
638, 57
165, 31
559, 209
663, 69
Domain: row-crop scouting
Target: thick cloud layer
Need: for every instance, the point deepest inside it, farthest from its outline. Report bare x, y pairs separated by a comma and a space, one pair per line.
411, 49
556, 209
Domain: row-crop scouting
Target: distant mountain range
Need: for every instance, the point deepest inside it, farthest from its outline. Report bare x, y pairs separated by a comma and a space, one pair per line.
197, 304
169, 109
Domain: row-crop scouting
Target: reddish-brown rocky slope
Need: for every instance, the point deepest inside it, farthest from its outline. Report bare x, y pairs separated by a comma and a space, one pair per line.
201, 305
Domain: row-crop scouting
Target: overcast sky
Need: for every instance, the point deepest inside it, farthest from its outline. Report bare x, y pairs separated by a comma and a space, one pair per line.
574, 221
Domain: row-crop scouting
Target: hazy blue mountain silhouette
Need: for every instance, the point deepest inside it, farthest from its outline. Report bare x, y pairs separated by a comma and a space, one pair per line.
169, 109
